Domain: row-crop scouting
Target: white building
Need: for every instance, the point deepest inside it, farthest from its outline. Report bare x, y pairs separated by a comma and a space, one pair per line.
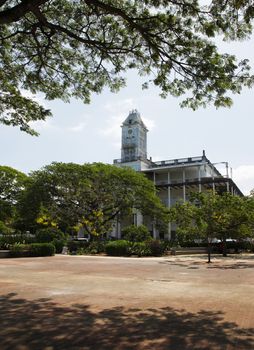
175, 179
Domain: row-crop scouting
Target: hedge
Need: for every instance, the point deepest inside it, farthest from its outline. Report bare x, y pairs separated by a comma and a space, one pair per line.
20, 250
134, 233
126, 248
118, 248
42, 249
7, 241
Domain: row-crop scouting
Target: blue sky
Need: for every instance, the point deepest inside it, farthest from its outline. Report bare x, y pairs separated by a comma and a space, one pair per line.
91, 133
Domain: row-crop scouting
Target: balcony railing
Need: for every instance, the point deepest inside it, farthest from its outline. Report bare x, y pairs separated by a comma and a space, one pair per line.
179, 161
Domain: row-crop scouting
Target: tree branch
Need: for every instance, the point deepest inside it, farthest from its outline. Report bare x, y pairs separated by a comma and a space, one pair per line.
15, 13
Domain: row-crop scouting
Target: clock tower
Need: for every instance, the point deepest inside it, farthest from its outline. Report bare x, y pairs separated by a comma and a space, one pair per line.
134, 140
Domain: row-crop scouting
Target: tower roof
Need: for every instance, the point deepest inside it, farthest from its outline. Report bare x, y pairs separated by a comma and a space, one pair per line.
134, 118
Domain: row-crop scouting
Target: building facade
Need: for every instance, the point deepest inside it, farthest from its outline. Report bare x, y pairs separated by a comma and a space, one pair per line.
175, 179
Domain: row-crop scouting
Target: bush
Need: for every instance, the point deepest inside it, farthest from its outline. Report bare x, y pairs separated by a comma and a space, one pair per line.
140, 249
167, 245
7, 241
95, 247
42, 249
47, 235
156, 247
134, 233
4, 230
74, 246
19, 250
118, 248
59, 244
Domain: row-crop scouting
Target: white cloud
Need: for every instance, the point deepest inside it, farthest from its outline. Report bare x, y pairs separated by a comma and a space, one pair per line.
121, 106
149, 123
244, 178
44, 125
77, 128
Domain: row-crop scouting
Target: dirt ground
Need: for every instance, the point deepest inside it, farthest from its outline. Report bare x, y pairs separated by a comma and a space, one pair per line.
106, 303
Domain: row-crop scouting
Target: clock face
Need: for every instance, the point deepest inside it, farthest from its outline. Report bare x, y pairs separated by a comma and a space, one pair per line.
129, 131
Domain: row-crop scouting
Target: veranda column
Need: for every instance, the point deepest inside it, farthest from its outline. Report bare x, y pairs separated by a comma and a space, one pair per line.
184, 187
169, 205
199, 179
213, 186
153, 223
118, 228
227, 175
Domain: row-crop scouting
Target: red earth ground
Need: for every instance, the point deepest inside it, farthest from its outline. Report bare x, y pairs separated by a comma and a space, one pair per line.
106, 303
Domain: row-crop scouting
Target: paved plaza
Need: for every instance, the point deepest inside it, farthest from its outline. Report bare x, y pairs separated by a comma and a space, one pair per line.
105, 303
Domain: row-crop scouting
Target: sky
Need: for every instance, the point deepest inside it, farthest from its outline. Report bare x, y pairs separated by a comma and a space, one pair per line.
92, 133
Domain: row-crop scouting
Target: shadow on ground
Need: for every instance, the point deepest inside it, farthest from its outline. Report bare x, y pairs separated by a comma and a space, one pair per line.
226, 263
43, 324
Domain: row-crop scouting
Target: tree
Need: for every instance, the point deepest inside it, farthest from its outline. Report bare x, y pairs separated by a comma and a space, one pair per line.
90, 196
12, 184
209, 215
66, 48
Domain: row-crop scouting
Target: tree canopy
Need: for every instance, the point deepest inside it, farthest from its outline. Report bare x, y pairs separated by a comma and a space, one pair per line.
66, 48
209, 215
12, 184
89, 196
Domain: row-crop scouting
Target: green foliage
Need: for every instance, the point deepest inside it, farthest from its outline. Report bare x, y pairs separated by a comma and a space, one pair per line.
74, 246
210, 215
52, 235
118, 248
58, 244
34, 249
140, 249
96, 247
156, 247
49, 234
191, 243
83, 247
42, 249
213, 215
126, 248
7, 241
4, 230
12, 186
69, 49
89, 196
19, 250
134, 233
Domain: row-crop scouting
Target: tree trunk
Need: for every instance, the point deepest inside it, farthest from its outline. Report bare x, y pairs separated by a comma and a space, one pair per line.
209, 248
224, 247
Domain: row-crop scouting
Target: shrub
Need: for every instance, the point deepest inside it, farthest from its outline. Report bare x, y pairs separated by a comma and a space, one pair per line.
19, 250
74, 246
46, 235
134, 233
140, 249
167, 245
42, 249
118, 248
156, 247
7, 241
95, 247
59, 244
5, 230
